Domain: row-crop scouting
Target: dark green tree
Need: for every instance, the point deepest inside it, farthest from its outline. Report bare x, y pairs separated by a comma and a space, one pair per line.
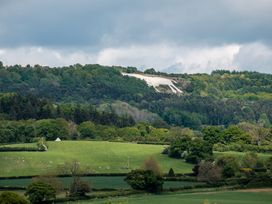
145, 180
39, 192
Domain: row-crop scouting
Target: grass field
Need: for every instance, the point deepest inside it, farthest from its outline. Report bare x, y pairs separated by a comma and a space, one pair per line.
191, 198
97, 156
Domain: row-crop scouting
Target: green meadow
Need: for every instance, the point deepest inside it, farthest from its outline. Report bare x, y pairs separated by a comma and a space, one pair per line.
94, 156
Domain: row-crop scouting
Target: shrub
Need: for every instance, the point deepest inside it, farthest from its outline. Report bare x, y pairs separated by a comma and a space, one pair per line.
39, 192
145, 180
12, 198
171, 173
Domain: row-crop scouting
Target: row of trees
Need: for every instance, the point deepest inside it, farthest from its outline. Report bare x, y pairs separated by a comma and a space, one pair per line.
50, 129
183, 140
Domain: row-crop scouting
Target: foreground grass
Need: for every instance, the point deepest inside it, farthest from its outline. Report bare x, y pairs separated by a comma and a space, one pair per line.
95, 156
233, 197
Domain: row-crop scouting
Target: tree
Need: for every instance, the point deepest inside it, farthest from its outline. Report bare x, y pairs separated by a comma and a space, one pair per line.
51, 129
229, 165
152, 164
209, 172
258, 134
198, 150
171, 173
12, 198
145, 180
39, 192
234, 134
77, 187
87, 130
212, 134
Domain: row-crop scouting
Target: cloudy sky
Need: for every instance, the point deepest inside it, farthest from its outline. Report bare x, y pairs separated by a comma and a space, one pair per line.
170, 35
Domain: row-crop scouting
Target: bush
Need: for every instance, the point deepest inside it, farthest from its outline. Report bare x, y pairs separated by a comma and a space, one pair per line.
145, 180
12, 198
171, 173
39, 192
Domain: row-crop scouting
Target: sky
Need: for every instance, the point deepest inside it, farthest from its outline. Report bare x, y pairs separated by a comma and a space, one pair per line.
180, 36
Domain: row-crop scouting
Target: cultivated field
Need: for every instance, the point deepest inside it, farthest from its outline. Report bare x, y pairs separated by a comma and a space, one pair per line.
95, 156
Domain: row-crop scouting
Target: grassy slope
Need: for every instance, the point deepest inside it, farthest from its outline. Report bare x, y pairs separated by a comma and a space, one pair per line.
98, 156
192, 198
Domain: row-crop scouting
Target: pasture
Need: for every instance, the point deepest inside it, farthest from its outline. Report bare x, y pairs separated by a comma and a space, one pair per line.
94, 157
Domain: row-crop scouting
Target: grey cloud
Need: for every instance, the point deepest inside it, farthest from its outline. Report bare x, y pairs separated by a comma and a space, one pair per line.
102, 23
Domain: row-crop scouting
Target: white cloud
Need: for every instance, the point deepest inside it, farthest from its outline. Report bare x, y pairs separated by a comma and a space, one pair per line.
254, 57
163, 57
43, 56
171, 58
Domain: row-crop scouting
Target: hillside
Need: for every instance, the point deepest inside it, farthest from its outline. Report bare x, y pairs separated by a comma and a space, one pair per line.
188, 100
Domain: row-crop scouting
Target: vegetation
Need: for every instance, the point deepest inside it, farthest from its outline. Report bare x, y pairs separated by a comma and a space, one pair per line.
145, 180
12, 198
245, 96
39, 192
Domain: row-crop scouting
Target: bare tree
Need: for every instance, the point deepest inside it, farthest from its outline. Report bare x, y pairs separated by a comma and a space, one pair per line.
152, 164
77, 187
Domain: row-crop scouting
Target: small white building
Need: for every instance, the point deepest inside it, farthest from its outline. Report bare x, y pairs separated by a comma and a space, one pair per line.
58, 139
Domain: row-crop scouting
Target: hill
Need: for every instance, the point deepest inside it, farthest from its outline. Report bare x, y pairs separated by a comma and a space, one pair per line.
244, 96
